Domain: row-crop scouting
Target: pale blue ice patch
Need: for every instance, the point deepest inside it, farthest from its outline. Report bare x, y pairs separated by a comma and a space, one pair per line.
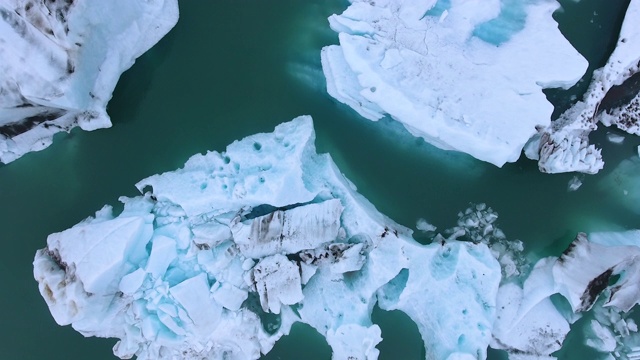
510, 21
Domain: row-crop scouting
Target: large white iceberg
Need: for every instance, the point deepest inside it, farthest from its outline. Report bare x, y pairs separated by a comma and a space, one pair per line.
218, 259
464, 75
564, 146
60, 62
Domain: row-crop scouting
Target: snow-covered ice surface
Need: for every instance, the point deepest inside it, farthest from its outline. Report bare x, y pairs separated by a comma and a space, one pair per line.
464, 75
564, 146
218, 259
60, 62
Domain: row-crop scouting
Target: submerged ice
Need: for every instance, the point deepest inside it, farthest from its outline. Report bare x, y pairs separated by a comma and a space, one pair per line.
220, 258
465, 76
63, 61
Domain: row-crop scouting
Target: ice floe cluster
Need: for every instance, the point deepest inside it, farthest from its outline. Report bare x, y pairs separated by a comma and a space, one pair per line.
61, 61
478, 225
564, 146
464, 75
622, 184
218, 260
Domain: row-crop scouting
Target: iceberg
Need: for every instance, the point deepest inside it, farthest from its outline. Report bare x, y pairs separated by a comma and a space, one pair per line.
218, 259
61, 62
463, 75
622, 184
564, 146
597, 275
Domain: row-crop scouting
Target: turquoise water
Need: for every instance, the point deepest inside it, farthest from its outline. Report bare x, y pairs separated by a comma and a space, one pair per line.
511, 20
233, 68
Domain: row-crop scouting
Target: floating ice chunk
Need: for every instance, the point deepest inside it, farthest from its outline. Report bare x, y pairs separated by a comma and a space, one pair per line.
423, 225
64, 62
192, 269
574, 125
574, 184
583, 275
615, 138
130, 283
406, 59
344, 84
566, 151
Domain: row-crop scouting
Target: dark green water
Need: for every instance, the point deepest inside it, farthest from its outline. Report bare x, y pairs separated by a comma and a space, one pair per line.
233, 68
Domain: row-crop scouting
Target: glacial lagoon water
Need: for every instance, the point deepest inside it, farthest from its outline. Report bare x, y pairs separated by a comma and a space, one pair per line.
233, 68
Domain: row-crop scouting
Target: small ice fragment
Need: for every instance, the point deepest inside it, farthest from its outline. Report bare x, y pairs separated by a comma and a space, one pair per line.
615, 138
574, 184
278, 282
423, 225
443, 16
